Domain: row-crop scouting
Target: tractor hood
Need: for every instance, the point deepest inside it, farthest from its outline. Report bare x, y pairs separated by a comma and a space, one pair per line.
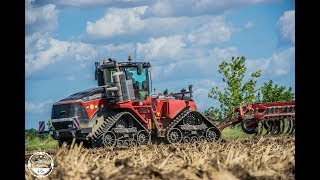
86, 95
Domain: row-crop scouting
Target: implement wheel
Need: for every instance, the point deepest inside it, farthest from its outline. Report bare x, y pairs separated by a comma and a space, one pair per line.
246, 129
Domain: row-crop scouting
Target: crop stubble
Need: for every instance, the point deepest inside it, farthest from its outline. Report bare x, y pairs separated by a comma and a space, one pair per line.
249, 158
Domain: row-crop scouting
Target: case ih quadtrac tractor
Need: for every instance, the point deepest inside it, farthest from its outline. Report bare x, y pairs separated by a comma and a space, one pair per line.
122, 112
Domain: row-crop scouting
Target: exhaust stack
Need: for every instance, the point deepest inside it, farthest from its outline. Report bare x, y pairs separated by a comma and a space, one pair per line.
123, 88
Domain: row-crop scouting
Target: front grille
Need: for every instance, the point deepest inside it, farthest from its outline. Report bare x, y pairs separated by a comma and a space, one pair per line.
62, 111
68, 111
61, 125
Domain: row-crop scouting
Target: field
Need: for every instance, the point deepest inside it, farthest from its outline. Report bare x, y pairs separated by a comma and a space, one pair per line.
246, 157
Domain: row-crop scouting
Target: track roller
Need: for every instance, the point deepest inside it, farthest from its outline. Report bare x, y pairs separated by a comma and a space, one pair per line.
143, 137
174, 135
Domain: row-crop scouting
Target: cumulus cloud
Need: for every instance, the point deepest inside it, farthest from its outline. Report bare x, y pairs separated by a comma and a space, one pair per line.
286, 24
164, 48
117, 22
127, 24
258, 64
277, 65
164, 53
171, 54
215, 31
40, 18
281, 63
85, 4
42, 50
221, 54
166, 8
38, 107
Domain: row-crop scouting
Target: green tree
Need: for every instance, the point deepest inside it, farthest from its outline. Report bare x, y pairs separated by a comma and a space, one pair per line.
273, 93
237, 90
214, 113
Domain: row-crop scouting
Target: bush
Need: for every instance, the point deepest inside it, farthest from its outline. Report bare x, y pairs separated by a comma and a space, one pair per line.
35, 140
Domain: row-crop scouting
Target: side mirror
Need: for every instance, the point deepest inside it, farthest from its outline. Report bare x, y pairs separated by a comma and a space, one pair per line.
139, 69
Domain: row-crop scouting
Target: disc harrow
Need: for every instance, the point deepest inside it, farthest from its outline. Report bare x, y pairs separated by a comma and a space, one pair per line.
274, 118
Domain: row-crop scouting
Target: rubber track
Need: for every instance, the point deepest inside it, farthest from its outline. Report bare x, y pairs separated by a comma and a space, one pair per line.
110, 121
178, 118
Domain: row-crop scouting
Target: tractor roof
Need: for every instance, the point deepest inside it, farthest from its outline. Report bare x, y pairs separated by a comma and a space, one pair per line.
124, 64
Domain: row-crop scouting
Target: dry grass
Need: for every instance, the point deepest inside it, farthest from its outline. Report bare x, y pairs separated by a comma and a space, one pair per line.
254, 158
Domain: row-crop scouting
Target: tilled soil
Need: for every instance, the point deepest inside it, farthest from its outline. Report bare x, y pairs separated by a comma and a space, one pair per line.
255, 158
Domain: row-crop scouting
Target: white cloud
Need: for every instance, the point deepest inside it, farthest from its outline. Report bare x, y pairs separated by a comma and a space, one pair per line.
258, 64
117, 22
42, 50
163, 53
277, 65
221, 54
162, 9
38, 107
283, 62
215, 31
118, 48
40, 19
127, 24
119, 52
286, 24
103, 3
170, 55
164, 48
166, 8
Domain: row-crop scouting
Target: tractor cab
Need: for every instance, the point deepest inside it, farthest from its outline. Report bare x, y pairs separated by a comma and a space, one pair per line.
137, 72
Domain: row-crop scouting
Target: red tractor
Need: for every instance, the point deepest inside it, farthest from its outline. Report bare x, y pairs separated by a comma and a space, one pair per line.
122, 112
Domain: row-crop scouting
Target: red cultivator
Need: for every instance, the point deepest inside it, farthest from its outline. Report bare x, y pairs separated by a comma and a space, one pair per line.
273, 117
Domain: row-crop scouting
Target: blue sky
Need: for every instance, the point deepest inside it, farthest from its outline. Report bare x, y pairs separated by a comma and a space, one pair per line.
183, 40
